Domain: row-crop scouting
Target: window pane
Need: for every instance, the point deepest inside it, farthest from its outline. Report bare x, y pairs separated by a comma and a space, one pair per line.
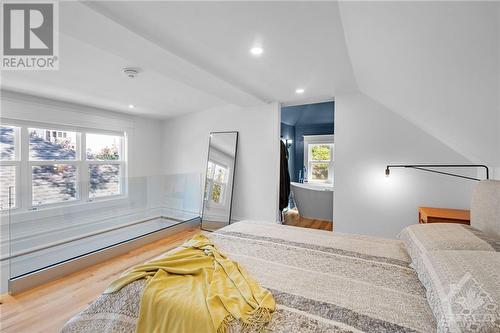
7, 143
220, 174
7, 179
319, 171
210, 170
46, 145
53, 183
103, 147
217, 193
104, 180
320, 152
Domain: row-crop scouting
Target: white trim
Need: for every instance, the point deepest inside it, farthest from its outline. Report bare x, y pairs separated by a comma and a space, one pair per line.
277, 161
24, 107
327, 138
11, 122
306, 101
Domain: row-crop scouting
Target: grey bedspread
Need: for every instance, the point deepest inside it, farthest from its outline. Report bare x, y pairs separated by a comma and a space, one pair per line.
322, 282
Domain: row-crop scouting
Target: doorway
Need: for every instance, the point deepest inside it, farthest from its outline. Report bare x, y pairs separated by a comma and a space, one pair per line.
307, 133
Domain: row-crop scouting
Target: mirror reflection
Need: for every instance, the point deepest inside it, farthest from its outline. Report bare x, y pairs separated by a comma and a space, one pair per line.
219, 178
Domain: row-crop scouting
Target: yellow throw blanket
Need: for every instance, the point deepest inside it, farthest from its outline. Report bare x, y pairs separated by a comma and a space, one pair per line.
195, 288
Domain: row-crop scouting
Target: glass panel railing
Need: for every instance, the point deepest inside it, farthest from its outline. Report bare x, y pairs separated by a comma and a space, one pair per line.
68, 222
7, 203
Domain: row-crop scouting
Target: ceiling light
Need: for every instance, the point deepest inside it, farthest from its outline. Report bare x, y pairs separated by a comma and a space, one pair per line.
256, 50
299, 91
131, 106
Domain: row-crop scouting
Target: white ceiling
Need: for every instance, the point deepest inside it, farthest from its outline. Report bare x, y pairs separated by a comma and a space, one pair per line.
435, 64
193, 56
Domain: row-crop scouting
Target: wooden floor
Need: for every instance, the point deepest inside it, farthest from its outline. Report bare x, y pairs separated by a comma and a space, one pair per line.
292, 217
45, 309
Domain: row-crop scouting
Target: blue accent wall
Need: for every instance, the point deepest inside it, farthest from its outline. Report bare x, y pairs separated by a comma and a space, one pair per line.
300, 120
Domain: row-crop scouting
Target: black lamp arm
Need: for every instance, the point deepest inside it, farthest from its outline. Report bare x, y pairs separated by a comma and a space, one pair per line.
424, 167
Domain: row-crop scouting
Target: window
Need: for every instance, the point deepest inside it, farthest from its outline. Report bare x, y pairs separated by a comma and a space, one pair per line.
7, 143
59, 166
53, 183
103, 147
104, 180
9, 166
47, 145
319, 158
105, 162
54, 167
215, 187
7, 183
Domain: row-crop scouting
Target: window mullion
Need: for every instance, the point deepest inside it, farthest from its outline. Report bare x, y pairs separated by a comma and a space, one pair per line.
83, 169
25, 192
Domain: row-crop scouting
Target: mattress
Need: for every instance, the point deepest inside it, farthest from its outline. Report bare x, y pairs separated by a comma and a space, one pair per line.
322, 282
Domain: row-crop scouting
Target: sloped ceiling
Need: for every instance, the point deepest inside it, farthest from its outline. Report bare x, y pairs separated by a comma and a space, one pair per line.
432, 63
435, 64
193, 55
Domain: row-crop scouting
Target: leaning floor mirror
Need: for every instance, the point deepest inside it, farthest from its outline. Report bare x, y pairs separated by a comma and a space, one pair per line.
218, 195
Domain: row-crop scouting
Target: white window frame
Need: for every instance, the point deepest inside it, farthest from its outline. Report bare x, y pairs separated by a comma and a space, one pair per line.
310, 140
24, 190
211, 181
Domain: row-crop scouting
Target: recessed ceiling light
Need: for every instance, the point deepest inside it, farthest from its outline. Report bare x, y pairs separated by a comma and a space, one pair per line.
299, 91
131, 106
256, 50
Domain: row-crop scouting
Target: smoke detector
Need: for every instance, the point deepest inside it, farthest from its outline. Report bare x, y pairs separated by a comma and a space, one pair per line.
130, 72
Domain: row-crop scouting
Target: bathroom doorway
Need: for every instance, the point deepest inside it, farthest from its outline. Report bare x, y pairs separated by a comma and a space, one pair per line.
307, 135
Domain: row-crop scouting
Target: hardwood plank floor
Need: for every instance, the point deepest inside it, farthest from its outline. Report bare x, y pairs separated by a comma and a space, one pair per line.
292, 217
45, 309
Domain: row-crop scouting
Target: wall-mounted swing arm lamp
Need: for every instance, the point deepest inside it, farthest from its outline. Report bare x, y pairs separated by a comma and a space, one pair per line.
424, 167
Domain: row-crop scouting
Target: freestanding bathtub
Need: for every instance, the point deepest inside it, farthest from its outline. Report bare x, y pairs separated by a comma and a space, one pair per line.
314, 201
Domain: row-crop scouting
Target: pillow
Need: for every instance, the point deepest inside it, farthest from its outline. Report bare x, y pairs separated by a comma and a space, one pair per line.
463, 289
485, 207
446, 236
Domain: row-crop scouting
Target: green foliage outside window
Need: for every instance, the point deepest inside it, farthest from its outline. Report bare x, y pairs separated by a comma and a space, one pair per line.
320, 171
320, 153
216, 193
106, 153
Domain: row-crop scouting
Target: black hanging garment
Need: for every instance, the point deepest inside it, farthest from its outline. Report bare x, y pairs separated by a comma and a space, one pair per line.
284, 177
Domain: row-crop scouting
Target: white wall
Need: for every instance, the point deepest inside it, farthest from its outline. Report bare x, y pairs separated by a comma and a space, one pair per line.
368, 136
255, 193
434, 63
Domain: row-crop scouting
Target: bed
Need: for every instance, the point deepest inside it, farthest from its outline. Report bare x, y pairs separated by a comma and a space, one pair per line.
322, 282
331, 282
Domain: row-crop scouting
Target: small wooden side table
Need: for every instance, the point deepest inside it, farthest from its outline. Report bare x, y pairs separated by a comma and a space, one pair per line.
443, 215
